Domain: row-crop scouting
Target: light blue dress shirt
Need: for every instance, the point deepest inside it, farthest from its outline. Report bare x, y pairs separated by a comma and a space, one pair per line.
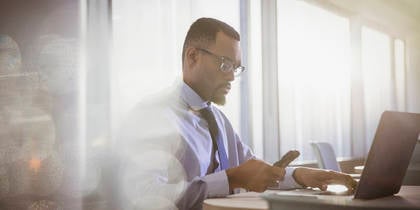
184, 135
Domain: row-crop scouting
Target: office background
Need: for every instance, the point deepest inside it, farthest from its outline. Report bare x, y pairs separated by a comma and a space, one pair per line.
316, 70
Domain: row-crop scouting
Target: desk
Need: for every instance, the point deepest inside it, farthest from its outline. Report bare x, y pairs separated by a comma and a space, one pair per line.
246, 201
412, 176
358, 169
407, 198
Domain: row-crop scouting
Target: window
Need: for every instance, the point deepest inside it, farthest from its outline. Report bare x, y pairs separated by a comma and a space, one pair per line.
313, 78
327, 63
376, 69
147, 46
383, 83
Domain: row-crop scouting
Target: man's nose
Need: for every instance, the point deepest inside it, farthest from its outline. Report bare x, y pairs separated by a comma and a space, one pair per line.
230, 76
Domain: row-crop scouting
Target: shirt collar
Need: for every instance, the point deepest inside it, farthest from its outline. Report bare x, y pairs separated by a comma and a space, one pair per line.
191, 98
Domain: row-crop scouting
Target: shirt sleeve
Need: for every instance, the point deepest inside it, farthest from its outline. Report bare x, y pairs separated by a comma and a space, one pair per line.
146, 182
289, 182
200, 188
217, 184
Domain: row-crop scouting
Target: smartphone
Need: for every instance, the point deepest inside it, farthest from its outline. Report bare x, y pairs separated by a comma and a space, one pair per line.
287, 159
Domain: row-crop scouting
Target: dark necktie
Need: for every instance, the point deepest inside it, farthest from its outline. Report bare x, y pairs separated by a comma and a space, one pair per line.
216, 137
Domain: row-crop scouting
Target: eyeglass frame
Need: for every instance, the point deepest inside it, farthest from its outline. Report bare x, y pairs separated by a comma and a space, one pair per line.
236, 70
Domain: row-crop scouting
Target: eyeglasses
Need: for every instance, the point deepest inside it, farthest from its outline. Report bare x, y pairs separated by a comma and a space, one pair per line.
227, 65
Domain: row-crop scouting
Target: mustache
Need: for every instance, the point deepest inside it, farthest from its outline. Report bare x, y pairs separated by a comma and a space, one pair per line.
226, 85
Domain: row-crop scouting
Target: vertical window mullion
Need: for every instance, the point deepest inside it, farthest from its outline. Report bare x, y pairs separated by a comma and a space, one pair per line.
400, 74
270, 84
244, 107
357, 93
393, 82
254, 75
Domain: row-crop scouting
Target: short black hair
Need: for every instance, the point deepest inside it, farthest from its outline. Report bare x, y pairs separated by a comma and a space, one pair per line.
203, 32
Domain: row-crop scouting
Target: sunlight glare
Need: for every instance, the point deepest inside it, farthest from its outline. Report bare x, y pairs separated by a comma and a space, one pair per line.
314, 76
337, 188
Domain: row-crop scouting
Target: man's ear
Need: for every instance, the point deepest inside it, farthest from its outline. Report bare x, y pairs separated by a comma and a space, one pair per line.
191, 56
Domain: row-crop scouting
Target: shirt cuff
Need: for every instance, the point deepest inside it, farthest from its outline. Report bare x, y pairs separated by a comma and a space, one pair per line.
217, 184
289, 182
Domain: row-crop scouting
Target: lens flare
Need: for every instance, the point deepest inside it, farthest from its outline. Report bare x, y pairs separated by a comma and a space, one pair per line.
35, 164
337, 188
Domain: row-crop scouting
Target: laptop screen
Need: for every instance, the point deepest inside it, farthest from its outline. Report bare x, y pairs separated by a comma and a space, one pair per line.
389, 155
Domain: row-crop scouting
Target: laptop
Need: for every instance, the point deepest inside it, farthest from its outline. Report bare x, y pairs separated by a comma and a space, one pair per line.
387, 161
389, 155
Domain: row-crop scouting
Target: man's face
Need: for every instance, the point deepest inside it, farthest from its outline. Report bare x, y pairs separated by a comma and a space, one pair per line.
210, 82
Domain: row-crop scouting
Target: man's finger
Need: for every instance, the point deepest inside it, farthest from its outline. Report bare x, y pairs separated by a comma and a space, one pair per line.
274, 183
349, 183
341, 178
323, 187
278, 173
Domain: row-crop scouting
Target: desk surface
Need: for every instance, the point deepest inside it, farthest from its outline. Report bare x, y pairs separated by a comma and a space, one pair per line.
407, 198
247, 201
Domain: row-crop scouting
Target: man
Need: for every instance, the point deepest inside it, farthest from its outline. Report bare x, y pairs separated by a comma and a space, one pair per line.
209, 160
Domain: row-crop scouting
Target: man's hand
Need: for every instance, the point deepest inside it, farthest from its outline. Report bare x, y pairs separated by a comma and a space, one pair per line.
312, 177
254, 175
